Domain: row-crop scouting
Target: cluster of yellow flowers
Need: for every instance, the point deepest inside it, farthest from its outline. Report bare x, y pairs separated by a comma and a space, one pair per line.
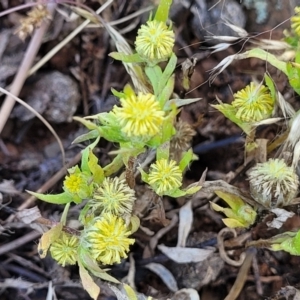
145, 118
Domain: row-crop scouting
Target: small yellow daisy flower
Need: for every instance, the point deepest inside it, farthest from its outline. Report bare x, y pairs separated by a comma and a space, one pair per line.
295, 21
155, 41
108, 239
273, 183
164, 176
74, 183
64, 249
114, 196
254, 103
139, 115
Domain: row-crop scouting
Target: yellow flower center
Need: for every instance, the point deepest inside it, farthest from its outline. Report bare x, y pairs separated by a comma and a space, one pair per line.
108, 239
155, 41
254, 103
165, 176
73, 183
140, 115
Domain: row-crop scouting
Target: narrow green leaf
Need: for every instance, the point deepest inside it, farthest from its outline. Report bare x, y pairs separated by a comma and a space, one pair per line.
264, 55
91, 135
114, 166
118, 94
126, 58
88, 124
180, 102
167, 92
167, 73
186, 159
85, 160
95, 168
154, 74
162, 13
163, 151
271, 86
64, 215
229, 112
130, 292
62, 198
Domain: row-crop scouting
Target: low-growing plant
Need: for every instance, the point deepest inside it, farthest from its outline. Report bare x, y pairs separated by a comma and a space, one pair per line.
146, 122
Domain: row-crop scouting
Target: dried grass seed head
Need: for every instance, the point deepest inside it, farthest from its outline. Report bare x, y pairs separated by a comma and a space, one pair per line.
34, 19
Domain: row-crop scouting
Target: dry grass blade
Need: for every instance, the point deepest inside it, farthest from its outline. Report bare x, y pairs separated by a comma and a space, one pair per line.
27, 61
38, 116
242, 275
65, 41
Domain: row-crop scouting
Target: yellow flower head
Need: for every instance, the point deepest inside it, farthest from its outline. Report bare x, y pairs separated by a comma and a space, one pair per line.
108, 239
254, 103
139, 115
164, 176
114, 196
155, 41
295, 21
78, 184
64, 249
74, 183
273, 183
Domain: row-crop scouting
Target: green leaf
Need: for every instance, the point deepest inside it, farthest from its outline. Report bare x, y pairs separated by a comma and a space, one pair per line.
88, 283
154, 73
163, 151
192, 190
92, 266
180, 102
167, 73
233, 223
95, 168
232, 200
88, 124
91, 135
118, 94
114, 166
264, 55
126, 58
62, 198
186, 159
294, 77
144, 175
176, 193
270, 84
167, 92
85, 160
162, 13
64, 215
229, 112
130, 292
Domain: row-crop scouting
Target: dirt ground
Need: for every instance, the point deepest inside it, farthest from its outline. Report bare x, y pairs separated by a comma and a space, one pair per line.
80, 77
